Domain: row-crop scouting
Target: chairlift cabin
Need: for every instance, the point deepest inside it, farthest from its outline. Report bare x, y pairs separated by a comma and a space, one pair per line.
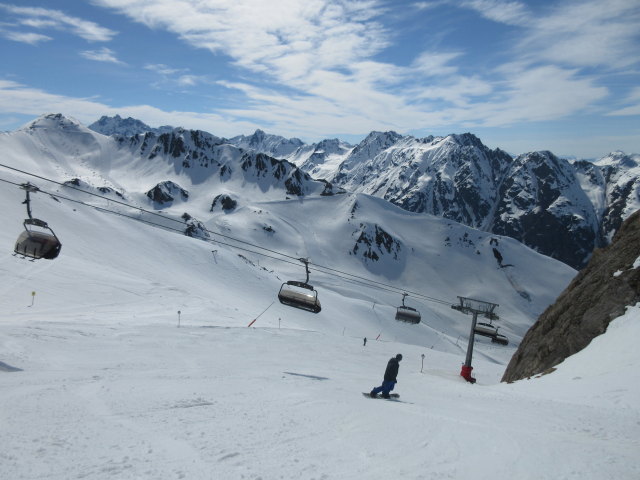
407, 314
40, 242
300, 294
491, 331
501, 339
486, 329
37, 244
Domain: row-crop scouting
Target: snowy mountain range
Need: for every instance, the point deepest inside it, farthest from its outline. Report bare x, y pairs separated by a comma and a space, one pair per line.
559, 207
129, 356
204, 184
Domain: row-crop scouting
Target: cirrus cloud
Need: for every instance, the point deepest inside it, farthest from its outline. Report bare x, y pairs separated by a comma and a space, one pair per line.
103, 55
37, 17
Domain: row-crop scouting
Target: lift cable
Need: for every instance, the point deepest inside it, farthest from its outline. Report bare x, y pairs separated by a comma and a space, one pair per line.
319, 268
313, 266
67, 185
361, 281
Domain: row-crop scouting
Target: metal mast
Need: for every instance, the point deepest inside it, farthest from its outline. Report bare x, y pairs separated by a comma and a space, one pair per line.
470, 306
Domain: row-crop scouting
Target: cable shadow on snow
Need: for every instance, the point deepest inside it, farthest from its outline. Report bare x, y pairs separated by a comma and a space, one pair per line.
8, 368
312, 377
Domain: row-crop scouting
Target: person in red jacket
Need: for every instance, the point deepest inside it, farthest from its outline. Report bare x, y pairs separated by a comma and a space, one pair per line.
390, 377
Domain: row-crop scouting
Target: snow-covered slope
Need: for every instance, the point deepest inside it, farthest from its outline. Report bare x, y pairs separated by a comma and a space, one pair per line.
614, 185
98, 381
322, 159
204, 162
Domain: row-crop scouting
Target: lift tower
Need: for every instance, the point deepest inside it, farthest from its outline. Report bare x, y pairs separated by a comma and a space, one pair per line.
470, 306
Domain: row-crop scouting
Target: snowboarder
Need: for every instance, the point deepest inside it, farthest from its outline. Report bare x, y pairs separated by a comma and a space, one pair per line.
390, 377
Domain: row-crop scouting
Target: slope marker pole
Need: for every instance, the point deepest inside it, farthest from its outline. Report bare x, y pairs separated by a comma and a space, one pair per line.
254, 320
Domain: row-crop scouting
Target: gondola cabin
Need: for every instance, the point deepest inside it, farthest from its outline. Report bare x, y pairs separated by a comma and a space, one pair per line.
408, 314
299, 295
37, 244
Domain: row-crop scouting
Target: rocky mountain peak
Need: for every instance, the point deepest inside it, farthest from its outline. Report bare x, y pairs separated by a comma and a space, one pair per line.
127, 127
54, 121
620, 159
262, 142
467, 140
378, 140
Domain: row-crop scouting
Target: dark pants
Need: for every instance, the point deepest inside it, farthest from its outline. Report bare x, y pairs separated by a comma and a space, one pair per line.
385, 388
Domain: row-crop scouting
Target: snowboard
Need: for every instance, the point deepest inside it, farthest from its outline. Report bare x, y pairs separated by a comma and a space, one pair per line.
392, 395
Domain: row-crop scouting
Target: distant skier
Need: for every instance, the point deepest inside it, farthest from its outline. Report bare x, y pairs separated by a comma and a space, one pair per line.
365, 342
390, 377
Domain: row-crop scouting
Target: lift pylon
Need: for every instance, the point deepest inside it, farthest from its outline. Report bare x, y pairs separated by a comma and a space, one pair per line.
471, 306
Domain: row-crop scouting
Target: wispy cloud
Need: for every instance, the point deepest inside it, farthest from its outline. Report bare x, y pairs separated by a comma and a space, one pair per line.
587, 34
508, 12
36, 17
169, 76
25, 100
319, 58
431, 4
102, 55
538, 94
305, 116
25, 37
315, 67
632, 105
287, 39
162, 69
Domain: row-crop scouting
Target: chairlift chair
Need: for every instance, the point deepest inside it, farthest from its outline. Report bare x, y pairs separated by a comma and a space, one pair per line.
501, 339
486, 329
407, 314
491, 331
300, 295
36, 243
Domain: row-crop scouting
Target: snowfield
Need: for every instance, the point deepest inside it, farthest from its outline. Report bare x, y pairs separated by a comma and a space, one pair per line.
102, 378
133, 401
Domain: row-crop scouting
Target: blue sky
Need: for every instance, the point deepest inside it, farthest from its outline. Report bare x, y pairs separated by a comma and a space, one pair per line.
522, 75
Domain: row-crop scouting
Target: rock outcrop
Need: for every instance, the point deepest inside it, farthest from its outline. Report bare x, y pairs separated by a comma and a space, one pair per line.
599, 293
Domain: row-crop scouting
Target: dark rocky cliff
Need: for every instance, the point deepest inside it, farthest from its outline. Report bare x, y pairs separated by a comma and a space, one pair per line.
599, 293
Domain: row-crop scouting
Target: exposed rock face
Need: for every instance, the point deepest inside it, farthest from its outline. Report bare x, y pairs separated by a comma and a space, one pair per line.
598, 294
226, 203
375, 239
166, 192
